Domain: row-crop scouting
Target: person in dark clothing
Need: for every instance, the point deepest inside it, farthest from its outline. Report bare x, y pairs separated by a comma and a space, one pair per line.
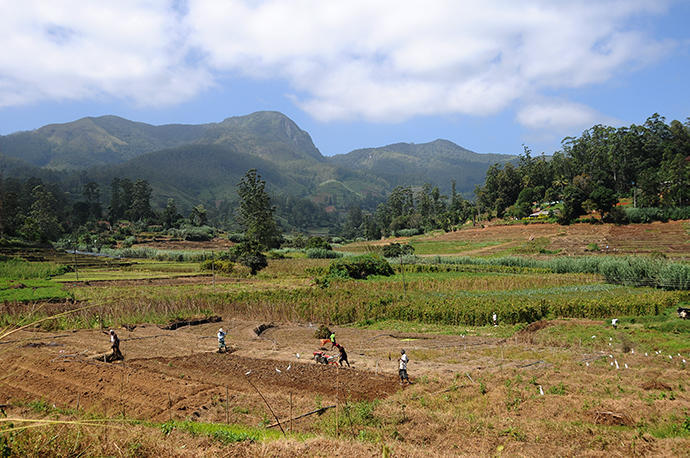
115, 345
343, 355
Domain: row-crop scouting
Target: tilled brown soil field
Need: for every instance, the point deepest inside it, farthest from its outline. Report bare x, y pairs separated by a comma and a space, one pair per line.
176, 374
671, 238
471, 395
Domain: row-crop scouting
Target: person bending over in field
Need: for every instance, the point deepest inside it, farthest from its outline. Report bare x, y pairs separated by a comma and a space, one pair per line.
343, 355
115, 345
332, 339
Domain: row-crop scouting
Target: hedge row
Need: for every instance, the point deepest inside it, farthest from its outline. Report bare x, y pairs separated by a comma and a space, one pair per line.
625, 270
423, 268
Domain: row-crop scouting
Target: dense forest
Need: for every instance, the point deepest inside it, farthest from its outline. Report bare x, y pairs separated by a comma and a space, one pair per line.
647, 165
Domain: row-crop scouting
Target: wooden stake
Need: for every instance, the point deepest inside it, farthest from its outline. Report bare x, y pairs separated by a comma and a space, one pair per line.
290, 411
76, 272
227, 414
337, 391
317, 411
78, 398
169, 407
267, 405
122, 382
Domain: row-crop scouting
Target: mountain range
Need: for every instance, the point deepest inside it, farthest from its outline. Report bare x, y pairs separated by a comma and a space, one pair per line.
204, 162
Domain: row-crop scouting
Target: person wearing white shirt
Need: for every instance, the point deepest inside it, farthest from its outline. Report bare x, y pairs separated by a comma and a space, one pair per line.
221, 341
402, 368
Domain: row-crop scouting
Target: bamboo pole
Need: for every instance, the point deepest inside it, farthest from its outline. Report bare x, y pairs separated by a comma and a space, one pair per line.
267, 405
312, 412
227, 414
290, 411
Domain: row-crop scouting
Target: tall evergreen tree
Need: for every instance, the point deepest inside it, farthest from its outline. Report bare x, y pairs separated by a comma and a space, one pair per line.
255, 213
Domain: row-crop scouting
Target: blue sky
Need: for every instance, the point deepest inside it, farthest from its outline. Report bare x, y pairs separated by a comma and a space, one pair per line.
353, 74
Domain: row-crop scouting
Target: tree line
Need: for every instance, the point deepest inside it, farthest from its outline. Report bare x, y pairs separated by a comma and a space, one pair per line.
407, 211
649, 164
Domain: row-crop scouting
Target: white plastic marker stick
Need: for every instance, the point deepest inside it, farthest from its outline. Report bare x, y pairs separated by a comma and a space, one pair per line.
593, 337
670, 357
248, 372
289, 366
278, 370
646, 354
683, 361
616, 361
587, 364
626, 365
541, 391
632, 351
297, 354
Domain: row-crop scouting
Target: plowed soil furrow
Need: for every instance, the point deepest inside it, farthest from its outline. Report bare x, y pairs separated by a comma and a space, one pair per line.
221, 369
159, 388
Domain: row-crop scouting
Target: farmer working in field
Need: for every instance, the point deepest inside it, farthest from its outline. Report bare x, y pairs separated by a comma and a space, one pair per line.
402, 370
221, 341
115, 345
332, 338
343, 355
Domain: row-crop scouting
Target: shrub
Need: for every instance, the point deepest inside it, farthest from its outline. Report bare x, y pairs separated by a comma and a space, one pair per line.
318, 242
236, 237
128, 242
322, 253
359, 267
408, 232
195, 234
248, 254
223, 266
394, 250
323, 332
275, 254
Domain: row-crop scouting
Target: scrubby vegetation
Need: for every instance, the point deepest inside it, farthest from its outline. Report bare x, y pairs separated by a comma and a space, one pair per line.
359, 267
627, 270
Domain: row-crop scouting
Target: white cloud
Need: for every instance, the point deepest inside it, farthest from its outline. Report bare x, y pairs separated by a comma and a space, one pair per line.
561, 116
390, 60
70, 49
381, 60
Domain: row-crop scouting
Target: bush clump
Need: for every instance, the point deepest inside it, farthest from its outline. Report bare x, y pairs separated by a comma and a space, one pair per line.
322, 253
318, 242
323, 332
647, 215
360, 267
407, 232
218, 265
193, 233
395, 250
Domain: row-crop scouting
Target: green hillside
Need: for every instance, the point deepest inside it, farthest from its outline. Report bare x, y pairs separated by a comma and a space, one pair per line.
203, 163
436, 162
